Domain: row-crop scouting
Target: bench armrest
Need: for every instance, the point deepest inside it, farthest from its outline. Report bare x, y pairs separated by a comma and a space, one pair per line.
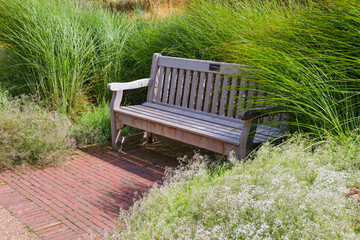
129, 85
253, 113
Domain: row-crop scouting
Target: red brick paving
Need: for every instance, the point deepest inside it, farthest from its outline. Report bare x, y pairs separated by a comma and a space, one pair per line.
81, 198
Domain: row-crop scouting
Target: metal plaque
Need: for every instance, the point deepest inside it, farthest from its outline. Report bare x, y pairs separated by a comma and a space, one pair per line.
214, 67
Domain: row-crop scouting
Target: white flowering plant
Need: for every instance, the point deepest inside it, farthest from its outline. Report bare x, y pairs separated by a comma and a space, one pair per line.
295, 190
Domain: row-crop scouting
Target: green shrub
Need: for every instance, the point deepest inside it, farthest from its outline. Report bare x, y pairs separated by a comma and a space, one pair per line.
30, 135
93, 126
64, 51
292, 191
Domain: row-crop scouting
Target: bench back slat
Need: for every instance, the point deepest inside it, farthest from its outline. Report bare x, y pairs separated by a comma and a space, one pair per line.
153, 73
167, 79
200, 93
215, 96
160, 80
186, 89
232, 97
224, 95
251, 97
179, 89
194, 86
209, 92
201, 85
172, 86
242, 94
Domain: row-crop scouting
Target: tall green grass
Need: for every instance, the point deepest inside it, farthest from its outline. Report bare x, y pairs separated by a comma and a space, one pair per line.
306, 60
303, 53
64, 51
148, 5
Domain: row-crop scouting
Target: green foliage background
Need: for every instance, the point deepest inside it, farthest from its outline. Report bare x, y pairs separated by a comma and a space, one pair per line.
304, 54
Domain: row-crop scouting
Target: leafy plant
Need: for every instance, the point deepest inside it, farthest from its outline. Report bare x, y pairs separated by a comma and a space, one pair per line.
31, 135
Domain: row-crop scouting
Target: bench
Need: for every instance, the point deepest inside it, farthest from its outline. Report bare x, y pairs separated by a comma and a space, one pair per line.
195, 102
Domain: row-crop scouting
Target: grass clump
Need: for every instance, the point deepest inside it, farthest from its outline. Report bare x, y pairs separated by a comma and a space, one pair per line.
302, 53
31, 135
93, 126
292, 191
304, 56
149, 5
64, 51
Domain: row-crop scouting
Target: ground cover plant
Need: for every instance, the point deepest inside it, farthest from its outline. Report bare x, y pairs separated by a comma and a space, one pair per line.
291, 191
30, 134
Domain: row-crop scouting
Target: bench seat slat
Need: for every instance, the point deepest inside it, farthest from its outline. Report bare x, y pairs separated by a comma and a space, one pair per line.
196, 114
188, 121
155, 119
224, 121
211, 126
205, 127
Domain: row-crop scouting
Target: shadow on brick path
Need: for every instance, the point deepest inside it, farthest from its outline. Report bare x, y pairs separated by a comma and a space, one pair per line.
83, 197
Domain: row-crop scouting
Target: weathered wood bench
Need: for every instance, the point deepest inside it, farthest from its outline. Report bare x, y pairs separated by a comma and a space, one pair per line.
192, 101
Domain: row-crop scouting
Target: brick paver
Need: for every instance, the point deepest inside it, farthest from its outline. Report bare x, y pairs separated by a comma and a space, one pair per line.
82, 197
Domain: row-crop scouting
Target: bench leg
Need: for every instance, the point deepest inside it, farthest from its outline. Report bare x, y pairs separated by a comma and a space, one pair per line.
115, 132
246, 139
116, 139
149, 136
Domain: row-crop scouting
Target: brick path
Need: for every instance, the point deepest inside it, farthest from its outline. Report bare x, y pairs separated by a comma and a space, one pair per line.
83, 196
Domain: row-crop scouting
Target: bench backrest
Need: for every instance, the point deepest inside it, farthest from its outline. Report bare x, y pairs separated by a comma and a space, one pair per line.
200, 85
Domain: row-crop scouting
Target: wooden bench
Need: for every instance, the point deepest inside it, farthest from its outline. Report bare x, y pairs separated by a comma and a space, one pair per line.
192, 101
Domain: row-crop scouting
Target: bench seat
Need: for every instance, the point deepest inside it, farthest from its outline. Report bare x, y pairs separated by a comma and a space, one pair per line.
191, 126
